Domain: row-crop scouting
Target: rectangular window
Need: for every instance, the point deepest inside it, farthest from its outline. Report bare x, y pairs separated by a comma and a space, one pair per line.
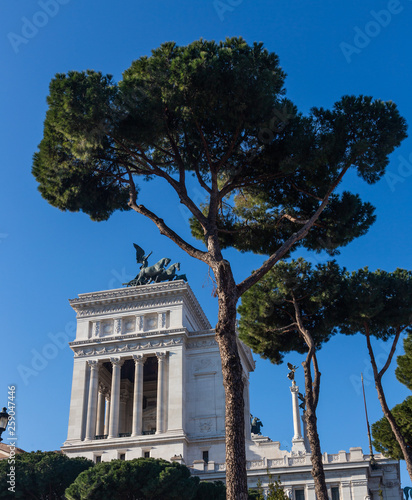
205, 456
299, 494
98, 459
335, 492
122, 456
146, 454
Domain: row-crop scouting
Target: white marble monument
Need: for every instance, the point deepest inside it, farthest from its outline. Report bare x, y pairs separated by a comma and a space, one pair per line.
147, 382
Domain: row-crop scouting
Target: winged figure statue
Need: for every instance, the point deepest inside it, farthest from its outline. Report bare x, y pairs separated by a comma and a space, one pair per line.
291, 374
141, 258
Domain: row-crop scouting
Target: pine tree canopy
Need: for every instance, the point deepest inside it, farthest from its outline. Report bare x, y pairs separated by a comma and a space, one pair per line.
403, 371
378, 301
267, 323
217, 111
384, 440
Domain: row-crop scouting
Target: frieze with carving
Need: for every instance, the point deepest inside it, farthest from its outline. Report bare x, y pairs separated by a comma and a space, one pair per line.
202, 343
128, 336
204, 364
127, 347
206, 427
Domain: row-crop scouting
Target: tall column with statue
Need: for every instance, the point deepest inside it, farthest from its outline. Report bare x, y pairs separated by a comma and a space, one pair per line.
298, 442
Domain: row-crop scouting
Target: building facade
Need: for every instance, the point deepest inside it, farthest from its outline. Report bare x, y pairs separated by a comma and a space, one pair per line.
147, 382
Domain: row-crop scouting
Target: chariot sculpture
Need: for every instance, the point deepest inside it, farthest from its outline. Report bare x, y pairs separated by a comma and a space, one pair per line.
157, 272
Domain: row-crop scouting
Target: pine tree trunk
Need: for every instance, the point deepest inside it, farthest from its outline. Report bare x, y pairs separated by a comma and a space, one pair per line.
236, 478
313, 436
407, 454
311, 400
394, 426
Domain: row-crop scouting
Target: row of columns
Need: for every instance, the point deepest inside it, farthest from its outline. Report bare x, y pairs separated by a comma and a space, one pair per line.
104, 418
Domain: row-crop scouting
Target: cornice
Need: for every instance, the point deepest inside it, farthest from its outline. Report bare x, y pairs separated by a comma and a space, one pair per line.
139, 297
128, 336
125, 443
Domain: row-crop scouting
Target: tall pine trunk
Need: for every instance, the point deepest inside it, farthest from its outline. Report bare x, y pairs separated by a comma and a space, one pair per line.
382, 399
394, 426
313, 436
311, 400
236, 477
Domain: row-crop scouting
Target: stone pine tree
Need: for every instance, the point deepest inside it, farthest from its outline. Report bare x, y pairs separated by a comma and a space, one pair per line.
384, 439
42, 475
378, 304
147, 478
217, 113
403, 371
292, 308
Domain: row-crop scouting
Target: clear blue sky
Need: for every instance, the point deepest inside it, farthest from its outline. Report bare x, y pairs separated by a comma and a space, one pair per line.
327, 48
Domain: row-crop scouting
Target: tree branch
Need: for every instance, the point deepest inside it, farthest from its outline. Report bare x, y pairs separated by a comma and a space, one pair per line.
200, 179
305, 192
266, 266
202, 138
179, 187
226, 156
399, 330
167, 231
302, 222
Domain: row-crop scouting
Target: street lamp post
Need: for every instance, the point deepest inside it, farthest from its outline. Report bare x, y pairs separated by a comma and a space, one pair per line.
4, 420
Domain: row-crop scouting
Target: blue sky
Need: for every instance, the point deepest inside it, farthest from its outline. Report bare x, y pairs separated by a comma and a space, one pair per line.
327, 48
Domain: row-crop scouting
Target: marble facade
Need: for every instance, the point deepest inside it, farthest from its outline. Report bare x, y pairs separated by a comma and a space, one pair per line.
147, 381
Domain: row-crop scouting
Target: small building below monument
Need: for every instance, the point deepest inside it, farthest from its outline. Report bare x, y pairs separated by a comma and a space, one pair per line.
147, 382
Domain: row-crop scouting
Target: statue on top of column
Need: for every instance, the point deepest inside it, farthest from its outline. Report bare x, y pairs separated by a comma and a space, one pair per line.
291, 374
156, 273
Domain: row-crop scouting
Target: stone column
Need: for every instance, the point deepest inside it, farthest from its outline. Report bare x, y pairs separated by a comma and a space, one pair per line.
161, 402
92, 403
115, 398
100, 410
138, 395
107, 414
298, 443
124, 396
296, 417
78, 402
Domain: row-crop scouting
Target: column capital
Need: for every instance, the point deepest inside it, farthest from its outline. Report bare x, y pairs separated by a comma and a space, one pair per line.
117, 361
139, 359
103, 389
294, 388
93, 363
161, 356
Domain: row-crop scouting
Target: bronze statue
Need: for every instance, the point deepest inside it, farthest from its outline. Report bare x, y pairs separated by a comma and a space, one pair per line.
255, 425
153, 274
291, 374
167, 274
